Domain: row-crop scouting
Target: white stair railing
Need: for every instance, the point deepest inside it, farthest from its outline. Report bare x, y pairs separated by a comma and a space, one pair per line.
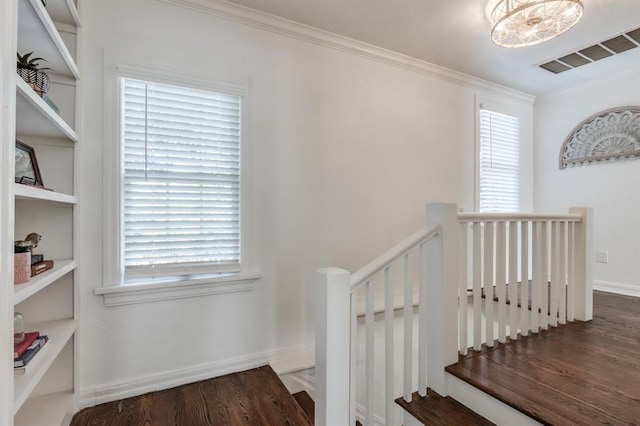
414, 266
526, 272
354, 358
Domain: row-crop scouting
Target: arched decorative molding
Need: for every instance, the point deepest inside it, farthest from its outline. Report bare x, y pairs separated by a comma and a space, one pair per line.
609, 135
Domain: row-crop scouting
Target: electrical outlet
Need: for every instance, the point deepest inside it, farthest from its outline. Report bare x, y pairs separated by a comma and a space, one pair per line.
602, 256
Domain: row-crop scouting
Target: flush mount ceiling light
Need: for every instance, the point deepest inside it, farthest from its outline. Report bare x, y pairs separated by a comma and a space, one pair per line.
519, 23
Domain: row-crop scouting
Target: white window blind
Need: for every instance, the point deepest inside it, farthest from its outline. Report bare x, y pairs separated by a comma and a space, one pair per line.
499, 188
181, 187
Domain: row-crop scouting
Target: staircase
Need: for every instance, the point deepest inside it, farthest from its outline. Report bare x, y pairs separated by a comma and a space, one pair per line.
391, 328
248, 398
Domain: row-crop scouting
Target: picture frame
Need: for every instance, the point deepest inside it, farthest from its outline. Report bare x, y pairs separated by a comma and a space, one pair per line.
27, 171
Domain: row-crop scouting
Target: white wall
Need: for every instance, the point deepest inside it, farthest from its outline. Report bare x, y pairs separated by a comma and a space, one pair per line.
342, 154
612, 189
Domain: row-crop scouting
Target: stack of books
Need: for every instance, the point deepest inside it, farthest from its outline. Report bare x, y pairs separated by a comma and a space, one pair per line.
25, 352
40, 266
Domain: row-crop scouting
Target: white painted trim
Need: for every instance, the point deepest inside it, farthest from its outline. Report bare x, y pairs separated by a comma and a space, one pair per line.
294, 358
131, 67
300, 381
150, 383
618, 288
151, 292
292, 29
487, 406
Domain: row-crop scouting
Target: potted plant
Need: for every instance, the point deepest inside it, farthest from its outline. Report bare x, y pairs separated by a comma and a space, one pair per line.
31, 72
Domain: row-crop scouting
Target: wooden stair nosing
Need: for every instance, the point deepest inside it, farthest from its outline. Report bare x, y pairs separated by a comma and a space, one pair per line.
435, 409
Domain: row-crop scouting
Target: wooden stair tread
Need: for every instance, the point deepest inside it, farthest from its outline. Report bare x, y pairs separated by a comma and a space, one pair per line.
247, 398
575, 374
309, 406
306, 403
437, 410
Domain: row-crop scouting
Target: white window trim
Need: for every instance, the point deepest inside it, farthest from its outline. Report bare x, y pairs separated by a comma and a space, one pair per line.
114, 290
523, 111
141, 293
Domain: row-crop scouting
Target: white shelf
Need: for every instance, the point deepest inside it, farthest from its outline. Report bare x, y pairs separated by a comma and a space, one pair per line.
63, 12
35, 118
49, 410
60, 268
38, 34
28, 192
59, 333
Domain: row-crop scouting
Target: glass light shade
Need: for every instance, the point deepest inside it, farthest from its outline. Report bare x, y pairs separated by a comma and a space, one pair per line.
519, 23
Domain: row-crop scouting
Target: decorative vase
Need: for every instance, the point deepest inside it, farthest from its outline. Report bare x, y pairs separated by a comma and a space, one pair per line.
36, 79
18, 328
21, 267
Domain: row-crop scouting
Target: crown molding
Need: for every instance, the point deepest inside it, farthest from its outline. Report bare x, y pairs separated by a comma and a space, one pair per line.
296, 30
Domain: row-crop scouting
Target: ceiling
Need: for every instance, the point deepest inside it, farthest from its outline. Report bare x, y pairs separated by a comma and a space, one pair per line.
456, 34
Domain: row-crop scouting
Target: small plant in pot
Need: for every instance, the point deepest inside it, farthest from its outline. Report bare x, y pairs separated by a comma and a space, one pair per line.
30, 70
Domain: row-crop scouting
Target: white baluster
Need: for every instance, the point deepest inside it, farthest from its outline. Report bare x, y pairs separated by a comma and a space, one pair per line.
513, 280
570, 273
354, 359
369, 354
554, 289
422, 323
536, 272
462, 291
501, 281
388, 348
524, 278
562, 273
544, 269
488, 281
408, 331
477, 287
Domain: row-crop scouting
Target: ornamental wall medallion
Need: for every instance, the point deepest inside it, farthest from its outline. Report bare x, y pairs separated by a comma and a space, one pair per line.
609, 135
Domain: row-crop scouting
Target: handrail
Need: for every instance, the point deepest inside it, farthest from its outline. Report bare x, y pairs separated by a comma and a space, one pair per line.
376, 265
508, 217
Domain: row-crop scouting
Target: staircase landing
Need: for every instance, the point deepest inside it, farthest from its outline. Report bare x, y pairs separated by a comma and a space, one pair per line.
575, 374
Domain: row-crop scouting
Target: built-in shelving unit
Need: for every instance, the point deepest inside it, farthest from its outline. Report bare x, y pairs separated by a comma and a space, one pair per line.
59, 333
37, 118
46, 393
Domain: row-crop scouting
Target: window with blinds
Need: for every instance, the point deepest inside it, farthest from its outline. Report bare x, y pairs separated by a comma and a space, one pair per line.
181, 180
499, 184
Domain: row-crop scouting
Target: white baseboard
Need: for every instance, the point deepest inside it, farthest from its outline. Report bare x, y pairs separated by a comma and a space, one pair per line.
294, 358
618, 288
291, 358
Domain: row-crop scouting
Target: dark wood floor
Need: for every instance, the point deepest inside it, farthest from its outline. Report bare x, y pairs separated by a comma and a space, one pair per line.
436, 410
254, 397
576, 374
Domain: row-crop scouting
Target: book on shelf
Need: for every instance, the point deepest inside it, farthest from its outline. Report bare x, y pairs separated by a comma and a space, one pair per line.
35, 258
40, 267
20, 348
20, 365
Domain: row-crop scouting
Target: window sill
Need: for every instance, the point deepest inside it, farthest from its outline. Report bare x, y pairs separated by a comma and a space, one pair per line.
143, 293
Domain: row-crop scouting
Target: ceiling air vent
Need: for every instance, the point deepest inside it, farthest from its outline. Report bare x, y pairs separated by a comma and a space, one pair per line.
603, 49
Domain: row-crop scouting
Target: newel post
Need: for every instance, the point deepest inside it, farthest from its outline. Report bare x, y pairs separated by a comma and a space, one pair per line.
333, 303
442, 294
583, 264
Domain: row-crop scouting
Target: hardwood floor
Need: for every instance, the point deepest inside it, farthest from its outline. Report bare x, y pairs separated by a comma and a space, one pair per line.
436, 410
251, 398
576, 374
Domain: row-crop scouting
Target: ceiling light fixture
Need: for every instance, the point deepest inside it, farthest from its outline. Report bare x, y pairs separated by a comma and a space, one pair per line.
520, 23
